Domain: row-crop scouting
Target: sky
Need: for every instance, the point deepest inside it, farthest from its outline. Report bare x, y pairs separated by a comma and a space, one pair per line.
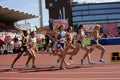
31, 6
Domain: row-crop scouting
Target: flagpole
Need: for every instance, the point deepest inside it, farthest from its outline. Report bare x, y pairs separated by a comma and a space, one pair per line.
40, 13
64, 13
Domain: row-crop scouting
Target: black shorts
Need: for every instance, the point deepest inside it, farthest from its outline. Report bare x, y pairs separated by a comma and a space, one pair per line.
16, 50
23, 49
60, 45
79, 42
94, 42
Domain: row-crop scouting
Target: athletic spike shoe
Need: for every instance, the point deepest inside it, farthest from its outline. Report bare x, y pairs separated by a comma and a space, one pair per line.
63, 68
34, 67
102, 61
11, 67
90, 62
27, 66
70, 59
82, 62
67, 64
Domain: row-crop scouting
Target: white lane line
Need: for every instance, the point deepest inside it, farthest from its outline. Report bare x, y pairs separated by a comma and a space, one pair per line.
104, 67
27, 72
16, 78
81, 67
117, 72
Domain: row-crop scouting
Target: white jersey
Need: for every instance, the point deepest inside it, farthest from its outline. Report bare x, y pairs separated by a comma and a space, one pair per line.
33, 41
81, 36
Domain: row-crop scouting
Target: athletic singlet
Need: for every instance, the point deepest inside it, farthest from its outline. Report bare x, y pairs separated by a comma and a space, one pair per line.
95, 38
61, 36
70, 36
80, 37
25, 41
33, 41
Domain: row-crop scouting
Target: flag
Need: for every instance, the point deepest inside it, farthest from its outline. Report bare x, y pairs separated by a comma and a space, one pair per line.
60, 15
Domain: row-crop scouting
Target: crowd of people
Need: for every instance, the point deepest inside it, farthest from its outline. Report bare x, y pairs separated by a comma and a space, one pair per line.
59, 43
7, 42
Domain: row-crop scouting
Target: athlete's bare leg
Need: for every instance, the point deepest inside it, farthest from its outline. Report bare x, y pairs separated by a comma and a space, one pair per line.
75, 51
100, 47
87, 54
15, 60
28, 60
31, 56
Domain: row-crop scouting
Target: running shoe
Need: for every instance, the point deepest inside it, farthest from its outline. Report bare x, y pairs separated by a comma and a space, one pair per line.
82, 62
90, 62
70, 59
67, 64
34, 67
27, 66
63, 68
11, 67
102, 61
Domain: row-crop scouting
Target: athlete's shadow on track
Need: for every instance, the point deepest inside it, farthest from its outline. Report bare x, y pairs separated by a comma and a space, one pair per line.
54, 68
47, 69
5, 70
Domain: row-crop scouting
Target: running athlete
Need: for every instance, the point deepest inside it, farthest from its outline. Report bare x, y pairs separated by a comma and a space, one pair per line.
95, 44
69, 41
23, 48
61, 46
80, 36
32, 49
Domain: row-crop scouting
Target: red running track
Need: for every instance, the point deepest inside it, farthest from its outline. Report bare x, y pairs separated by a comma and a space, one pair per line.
49, 70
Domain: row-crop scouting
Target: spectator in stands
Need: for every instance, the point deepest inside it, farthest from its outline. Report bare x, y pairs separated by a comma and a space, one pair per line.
1, 45
17, 45
10, 45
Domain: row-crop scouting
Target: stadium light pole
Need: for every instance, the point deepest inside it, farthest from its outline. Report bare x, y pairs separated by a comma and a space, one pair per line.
40, 13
